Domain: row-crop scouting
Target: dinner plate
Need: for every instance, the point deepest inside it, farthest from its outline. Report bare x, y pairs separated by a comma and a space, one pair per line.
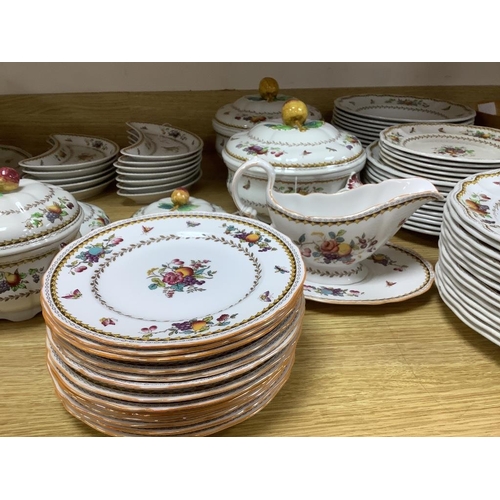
463, 143
395, 274
167, 266
401, 108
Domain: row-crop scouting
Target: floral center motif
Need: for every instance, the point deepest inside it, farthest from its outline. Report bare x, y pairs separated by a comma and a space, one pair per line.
332, 247
175, 276
454, 151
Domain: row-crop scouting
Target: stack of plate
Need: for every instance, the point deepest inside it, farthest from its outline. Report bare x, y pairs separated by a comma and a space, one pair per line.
161, 158
468, 268
444, 154
82, 165
150, 331
367, 115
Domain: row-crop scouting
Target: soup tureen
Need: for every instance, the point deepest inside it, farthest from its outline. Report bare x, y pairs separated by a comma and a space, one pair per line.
36, 221
250, 110
309, 156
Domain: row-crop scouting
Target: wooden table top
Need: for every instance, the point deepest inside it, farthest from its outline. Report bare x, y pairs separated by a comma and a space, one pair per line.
408, 368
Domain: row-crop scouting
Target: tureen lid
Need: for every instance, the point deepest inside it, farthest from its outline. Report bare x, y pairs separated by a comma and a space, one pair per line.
179, 201
295, 142
30, 211
249, 110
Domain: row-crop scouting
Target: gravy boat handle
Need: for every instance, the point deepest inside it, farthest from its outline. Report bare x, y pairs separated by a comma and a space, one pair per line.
243, 208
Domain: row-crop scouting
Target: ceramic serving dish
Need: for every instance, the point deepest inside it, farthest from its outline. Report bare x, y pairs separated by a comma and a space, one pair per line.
337, 232
250, 110
308, 156
36, 221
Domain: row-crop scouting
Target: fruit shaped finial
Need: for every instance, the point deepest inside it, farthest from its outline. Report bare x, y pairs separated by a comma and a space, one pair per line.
294, 113
9, 179
268, 88
179, 197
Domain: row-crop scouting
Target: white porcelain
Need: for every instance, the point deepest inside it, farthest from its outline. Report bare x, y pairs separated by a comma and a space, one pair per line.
77, 184
401, 109
36, 221
447, 141
308, 157
85, 194
73, 151
337, 232
394, 274
157, 305
158, 184
153, 180
250, 110
52, 173
176, 163
167, 205
149, 196
93, 218
477, 200
162, 142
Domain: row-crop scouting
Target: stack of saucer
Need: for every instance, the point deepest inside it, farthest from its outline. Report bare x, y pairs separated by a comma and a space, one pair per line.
443, 154
468, 268
151, 332
82, 165
159, 159
366, 115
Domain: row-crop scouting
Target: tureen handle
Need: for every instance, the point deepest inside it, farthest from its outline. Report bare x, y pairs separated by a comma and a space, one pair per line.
243, 208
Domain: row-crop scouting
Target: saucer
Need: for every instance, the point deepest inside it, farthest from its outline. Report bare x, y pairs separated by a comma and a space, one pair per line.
394, 274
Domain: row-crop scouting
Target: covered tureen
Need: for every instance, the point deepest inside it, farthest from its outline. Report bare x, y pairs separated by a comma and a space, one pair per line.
309, 156
249, 110
36, 221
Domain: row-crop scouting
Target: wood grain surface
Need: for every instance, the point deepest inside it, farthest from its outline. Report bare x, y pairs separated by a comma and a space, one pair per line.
400, 369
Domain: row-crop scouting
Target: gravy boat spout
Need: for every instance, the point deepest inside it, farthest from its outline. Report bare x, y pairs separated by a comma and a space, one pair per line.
337, 232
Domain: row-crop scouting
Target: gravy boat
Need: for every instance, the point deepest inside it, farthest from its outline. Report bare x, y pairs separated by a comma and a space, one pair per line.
337, 232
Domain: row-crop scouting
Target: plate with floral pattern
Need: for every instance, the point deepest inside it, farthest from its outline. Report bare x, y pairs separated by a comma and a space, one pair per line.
457, 143
476, 200
395, 274
173, 279
400, 108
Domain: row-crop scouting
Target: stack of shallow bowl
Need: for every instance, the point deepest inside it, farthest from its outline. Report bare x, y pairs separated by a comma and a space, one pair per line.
366, 115
444, 154
308, 156
151, 332
468, 268
81, 165
160, 158
249, 110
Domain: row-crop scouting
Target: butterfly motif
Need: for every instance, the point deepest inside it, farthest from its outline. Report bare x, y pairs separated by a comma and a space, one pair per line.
149, 330
305, 153
246, 185
390, 283
192, 224
280, 269
75, 294
107, 321
266, 296
146, 229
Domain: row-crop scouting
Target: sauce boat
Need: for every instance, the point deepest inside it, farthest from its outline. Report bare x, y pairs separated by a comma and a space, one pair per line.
337, 232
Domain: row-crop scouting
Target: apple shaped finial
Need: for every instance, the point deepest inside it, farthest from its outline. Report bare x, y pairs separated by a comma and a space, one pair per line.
179, 197
294, 113
9, 179
268, 89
